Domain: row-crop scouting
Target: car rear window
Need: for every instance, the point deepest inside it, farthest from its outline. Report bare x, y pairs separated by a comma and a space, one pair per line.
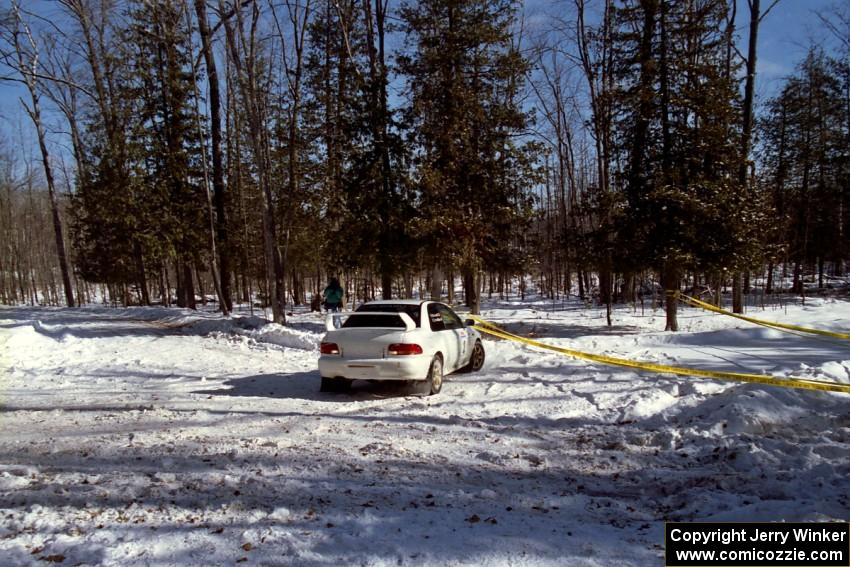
382, 320
373, 321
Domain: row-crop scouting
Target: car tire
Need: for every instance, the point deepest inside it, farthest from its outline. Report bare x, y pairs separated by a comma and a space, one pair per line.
335, 385
476, 359
434, 382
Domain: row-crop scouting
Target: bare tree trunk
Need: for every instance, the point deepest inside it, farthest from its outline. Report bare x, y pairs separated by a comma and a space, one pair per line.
299, 16
746, 132
376, 91
580, 276
213, 252
142, 281
797, 285
199, 278
224, 278
472, 288
737, 293
29, 72
768, 288
670, 283
436, 283
188, 285
164, 291
247, 79
597, 72
605, 285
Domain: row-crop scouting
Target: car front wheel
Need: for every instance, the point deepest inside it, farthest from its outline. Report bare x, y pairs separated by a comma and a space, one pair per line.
476, 359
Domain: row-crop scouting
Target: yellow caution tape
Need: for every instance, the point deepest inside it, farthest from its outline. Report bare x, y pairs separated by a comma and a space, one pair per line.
801, 383
772, 324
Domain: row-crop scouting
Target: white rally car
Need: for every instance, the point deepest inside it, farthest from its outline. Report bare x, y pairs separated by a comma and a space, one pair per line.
398, 340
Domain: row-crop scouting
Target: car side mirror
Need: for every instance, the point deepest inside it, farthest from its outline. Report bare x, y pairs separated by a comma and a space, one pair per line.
468, 323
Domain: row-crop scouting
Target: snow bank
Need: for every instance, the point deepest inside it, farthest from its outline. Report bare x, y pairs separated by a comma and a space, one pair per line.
253, 328
64, 325
163, 437
260, 331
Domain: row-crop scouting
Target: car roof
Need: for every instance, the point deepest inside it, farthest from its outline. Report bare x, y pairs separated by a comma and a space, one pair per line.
396, 302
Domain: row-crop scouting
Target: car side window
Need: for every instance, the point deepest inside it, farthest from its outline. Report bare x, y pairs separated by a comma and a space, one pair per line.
450, 319
435, 317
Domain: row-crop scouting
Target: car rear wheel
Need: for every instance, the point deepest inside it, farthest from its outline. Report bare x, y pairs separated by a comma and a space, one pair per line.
476, 359
435, 376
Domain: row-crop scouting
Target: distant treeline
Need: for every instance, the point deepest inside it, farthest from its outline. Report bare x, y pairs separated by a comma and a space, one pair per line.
244, 149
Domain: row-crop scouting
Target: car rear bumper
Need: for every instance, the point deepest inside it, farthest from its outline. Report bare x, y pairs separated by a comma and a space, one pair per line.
414, 367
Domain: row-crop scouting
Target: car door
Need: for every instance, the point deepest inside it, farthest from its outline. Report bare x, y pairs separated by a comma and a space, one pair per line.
456, 334
444, 335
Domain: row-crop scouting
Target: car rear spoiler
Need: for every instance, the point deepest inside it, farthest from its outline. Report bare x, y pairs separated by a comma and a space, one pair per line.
331, 324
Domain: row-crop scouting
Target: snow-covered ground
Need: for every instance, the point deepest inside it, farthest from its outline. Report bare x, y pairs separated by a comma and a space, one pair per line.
164, 437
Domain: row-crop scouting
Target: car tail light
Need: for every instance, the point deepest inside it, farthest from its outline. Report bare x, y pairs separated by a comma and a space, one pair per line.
404, 348
330, 348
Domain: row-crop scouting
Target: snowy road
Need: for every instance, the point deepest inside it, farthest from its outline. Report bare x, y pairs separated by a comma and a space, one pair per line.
157, 437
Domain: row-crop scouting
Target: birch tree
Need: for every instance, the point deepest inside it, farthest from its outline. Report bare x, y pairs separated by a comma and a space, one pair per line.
21, 53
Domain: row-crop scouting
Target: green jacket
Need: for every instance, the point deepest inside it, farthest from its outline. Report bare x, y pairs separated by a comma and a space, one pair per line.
333, 294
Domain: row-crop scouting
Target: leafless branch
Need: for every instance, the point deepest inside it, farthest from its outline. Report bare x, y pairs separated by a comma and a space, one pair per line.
769, 8
835, 30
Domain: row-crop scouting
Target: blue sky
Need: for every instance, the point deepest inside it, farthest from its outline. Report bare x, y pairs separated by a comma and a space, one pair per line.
784, 37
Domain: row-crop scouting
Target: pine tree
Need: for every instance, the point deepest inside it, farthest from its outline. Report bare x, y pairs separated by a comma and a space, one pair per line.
106, 205
167, 141
473, 171
678, 110
808, 163
363, 157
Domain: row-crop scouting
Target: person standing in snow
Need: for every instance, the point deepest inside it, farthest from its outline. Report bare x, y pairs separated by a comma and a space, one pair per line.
333, 296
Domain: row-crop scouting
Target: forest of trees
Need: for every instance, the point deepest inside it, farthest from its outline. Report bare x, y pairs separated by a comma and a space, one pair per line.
243, 151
